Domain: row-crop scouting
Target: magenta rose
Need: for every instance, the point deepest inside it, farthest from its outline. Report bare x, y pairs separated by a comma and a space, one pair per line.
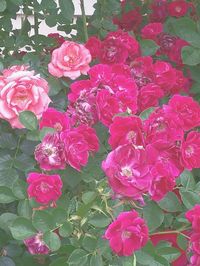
193, 216
191, 150
50, 153
44, 188
70, 60
36, 245
151, 30
127, 171
55, 119
22, 90
127, 233
125, 130
76, 148
178, 8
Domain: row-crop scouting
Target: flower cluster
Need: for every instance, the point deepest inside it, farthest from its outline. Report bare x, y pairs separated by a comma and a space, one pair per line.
170, 45
193, 216
22, 90
68, 145
120, 88
148, 156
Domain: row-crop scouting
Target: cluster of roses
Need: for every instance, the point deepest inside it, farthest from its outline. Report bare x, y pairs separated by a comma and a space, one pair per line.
122, 82
159, 11
193, 216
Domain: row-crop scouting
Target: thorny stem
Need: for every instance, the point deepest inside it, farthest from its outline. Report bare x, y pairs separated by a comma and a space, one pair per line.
84, 20
178, 231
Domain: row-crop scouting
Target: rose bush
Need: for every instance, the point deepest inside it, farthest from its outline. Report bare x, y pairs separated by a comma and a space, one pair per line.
99, 134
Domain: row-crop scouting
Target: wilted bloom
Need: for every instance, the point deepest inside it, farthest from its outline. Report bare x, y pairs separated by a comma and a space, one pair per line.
22, 90
36, 245
70, 60
127, 233
44, 188
50, 153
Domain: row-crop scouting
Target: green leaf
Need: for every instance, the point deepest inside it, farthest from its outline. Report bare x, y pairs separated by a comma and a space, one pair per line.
89, 243
8, 141
170, 203
148, 47
96, 260
62, 261
146, 113
66, 229
13, 250
153, 215
99, 220
6, 261
169, 253
187, 180
191, 55
22, 228
2, 5
52, 240
19, 189
43, 221
24, 209
89, 196
8, 177
44, 131
6, 195
6, 219
78, 257
29, 120
182, 241
67, 9
189, 198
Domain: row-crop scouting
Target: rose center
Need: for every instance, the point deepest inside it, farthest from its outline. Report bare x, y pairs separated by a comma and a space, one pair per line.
189, 151
44, 187
178, 9
58, 127
126, 171
126, 234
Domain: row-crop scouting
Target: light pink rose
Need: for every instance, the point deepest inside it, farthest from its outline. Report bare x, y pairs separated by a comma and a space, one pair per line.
22, 90
70, 60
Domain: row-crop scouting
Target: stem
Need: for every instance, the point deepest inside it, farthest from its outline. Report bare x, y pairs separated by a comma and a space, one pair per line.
178, 231
36, 22
16, 152
84, 20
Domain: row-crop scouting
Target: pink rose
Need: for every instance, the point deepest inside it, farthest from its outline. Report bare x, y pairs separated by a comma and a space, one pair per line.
36, 245
127, 171
166, 153
50, 153
185, 110
90, 137
178, 8
162, 182
193, 216
76, 148
44, 188
22, 90
70, 60
163, 126
149, 96
151, 30
55, 119
127, 233
190, 150
125, 130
